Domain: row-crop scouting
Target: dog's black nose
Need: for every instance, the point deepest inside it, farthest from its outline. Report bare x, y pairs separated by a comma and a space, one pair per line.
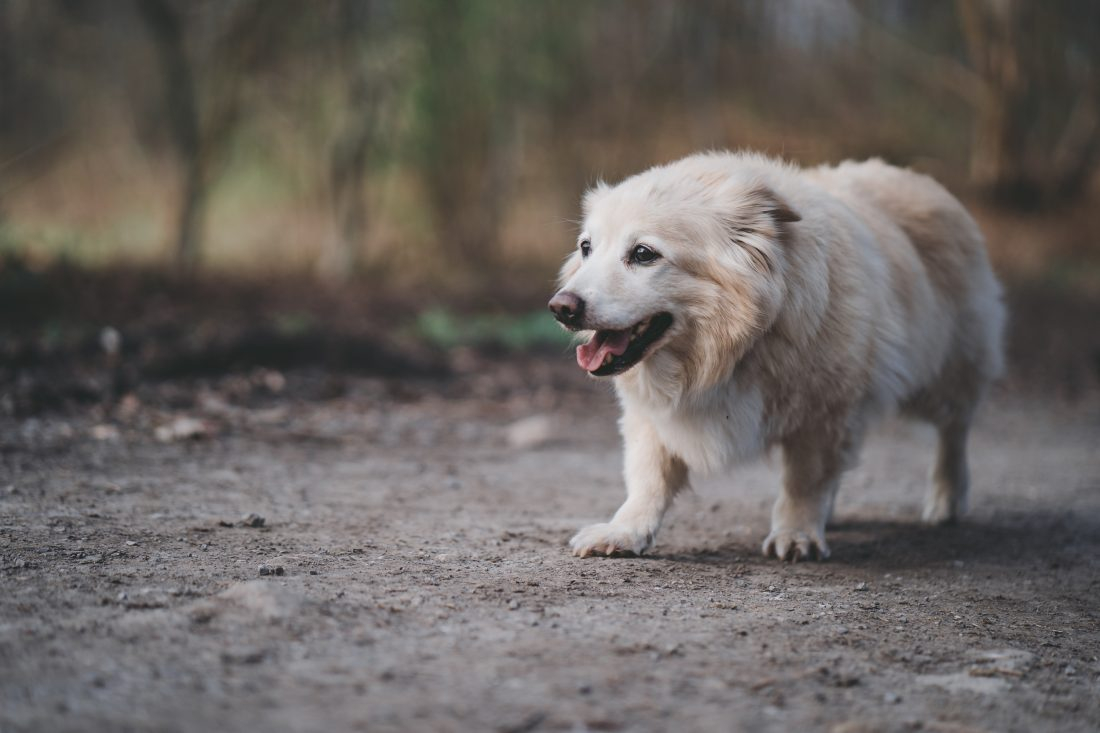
567, 308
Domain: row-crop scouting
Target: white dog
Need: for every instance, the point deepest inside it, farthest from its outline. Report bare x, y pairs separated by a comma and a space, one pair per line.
741, 303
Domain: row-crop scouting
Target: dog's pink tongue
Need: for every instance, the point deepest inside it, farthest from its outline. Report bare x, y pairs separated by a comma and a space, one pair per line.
591, 355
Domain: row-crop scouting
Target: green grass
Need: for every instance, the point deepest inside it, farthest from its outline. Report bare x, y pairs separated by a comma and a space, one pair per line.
294, 323
444, 329
128, 235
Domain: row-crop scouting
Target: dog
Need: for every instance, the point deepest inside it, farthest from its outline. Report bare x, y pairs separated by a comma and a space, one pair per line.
740, 303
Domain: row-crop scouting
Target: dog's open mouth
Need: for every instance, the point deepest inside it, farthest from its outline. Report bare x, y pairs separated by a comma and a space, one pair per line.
613, 352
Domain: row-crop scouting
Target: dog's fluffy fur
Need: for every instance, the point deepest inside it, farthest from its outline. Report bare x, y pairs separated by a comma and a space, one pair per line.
803, 303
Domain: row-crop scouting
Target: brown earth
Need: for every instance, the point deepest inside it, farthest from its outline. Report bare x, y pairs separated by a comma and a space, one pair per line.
417, 576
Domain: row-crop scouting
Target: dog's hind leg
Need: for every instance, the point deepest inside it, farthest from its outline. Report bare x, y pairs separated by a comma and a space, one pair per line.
949, 406
950, 479
653, 478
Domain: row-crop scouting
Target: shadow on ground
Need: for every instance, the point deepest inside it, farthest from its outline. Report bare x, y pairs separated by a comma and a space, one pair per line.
891, 545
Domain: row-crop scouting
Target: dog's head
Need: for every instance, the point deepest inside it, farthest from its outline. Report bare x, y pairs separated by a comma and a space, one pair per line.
679, 267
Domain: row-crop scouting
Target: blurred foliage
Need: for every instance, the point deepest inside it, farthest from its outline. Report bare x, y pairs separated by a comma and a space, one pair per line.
445, 329
448, 141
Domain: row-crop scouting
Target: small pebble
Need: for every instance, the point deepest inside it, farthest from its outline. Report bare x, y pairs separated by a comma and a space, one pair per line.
891, 698
861, 586
253, 520
268, 570
513, 604
104, 432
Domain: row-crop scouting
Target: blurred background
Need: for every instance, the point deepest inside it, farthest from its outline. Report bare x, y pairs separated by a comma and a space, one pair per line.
197, 187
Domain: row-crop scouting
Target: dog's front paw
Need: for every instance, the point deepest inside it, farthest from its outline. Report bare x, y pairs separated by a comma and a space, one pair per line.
795, 545
610, 539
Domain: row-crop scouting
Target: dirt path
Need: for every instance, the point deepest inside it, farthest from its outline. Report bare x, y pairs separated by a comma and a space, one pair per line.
418, 578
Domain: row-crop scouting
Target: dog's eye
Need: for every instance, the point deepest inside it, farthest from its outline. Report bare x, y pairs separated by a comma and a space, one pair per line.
586, 248
643, 255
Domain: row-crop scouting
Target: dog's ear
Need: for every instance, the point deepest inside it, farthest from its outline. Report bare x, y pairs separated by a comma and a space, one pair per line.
783, 212
774, 206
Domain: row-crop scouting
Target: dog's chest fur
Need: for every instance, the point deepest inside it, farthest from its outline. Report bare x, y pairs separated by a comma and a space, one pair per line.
709, 431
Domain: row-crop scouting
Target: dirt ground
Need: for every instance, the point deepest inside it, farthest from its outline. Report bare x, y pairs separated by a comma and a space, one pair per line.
411, 572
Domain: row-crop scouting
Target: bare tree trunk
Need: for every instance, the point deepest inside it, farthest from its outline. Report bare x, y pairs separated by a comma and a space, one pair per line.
342, 254
500, 175
1016, 157
998, 160
166, 30
192, 207
1078, 148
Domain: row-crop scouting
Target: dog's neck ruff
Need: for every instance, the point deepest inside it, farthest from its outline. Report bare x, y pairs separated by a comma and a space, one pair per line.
709, 428
666, 382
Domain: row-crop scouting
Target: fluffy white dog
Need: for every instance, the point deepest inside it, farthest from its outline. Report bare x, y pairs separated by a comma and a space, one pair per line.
740, 302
